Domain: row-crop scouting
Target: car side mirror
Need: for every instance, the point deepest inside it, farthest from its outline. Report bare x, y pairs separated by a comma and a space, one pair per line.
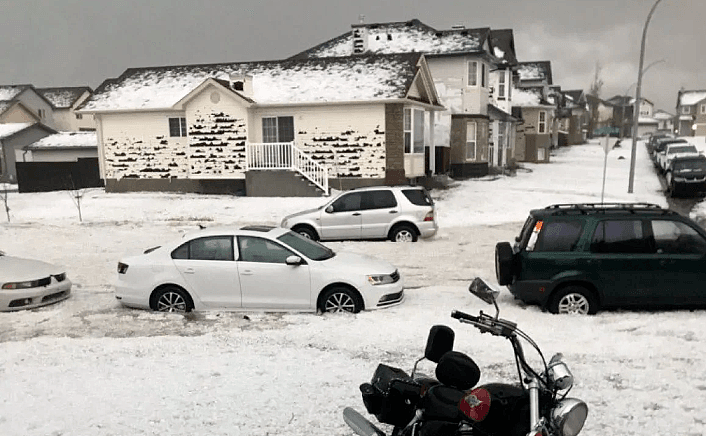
439, 342
329, 209
293, 260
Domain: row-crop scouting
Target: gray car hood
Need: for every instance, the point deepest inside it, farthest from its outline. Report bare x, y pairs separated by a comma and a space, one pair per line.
17, 269
304, 212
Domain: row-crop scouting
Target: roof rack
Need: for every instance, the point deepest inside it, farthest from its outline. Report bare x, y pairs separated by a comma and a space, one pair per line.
585, 208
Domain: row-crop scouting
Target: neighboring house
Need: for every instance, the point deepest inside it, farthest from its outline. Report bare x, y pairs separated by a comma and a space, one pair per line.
65, 101
665, 120
64, 160
261, 128
691, 113
600, 121
13, 138
472, 73
30, 101
579, 118
623, 109
532, 97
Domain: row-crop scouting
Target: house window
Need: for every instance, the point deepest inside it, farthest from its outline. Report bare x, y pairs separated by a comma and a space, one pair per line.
40, 112
542, 127
685, 110
703, 108
501, 86
413, 130
278, 129
471, 140
177, 126
472, 73
79, 116
483, 75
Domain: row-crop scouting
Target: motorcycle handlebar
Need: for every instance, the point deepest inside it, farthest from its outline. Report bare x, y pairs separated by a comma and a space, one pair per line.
461, 315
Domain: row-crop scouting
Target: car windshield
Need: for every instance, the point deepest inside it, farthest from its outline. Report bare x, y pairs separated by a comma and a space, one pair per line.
682, 149
311, 249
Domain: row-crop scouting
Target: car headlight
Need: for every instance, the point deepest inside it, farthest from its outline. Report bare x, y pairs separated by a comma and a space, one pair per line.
569, 416
383, 279
22, 285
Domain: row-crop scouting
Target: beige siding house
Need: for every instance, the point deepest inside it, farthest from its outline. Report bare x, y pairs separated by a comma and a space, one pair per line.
266, 128
64, 102
30, 101
691, 113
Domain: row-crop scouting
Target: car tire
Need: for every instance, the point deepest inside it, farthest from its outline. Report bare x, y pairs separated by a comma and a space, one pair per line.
340, 299
573, 300
403, 233
504, 259
172, 299
306, 232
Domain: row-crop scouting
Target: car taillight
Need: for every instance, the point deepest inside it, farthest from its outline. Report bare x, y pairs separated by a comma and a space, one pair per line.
429, 216
122, 268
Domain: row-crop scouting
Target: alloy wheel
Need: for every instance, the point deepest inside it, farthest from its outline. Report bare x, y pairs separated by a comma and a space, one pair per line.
339, 302
574, 304
404, 236
171, 302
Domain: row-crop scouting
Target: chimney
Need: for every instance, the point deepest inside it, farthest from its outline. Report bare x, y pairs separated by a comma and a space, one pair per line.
241, 83
360, 38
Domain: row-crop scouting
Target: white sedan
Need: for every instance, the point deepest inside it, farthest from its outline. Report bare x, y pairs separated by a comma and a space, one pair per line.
28, 283
255, 268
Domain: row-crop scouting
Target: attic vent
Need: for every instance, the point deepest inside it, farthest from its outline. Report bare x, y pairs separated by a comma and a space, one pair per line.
239, 85
360, 40
458, 27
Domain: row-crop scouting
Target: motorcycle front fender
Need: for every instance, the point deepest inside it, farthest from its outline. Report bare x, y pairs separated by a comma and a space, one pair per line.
359, 424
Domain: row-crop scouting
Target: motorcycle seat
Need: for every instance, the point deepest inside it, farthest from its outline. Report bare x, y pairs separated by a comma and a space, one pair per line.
440, 403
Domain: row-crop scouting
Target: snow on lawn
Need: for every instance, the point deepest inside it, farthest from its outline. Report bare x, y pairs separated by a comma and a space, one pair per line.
87, 366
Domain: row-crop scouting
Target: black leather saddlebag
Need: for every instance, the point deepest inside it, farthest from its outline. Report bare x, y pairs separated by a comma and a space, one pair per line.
391, 395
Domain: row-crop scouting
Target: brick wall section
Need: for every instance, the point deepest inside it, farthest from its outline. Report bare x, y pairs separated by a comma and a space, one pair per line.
394, 144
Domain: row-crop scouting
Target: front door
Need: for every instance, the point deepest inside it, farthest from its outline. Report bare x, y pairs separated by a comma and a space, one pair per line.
266, 281
342, 219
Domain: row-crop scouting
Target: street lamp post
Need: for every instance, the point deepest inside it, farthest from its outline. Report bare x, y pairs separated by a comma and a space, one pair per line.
636, 110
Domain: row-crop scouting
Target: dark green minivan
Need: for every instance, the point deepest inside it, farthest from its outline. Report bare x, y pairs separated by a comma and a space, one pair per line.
579, 258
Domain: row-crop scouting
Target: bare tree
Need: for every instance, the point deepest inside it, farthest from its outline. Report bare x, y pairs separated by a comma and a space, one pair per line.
76, 195
4, 200
595, 92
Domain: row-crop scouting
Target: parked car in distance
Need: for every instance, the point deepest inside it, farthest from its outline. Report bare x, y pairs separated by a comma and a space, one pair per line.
28, 283
579, 258
686, 176
255, 268
673, 150
655, 138
397, 213
661, 145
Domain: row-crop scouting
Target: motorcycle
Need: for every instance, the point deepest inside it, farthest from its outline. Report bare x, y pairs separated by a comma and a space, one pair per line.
451, 403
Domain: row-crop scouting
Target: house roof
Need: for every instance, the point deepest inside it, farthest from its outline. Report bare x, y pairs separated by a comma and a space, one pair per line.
524, 97
9, 129
662, 115
301, 81
575, 95
405, 37
503, 42
64, 140
63, 98
539, 70
688, 98
9, 92
621, 100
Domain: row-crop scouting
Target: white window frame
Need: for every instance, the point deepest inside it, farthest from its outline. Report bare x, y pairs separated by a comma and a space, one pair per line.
471, 142
472, 79
181, 126
274, 128
413, 128
502, 79
542, 123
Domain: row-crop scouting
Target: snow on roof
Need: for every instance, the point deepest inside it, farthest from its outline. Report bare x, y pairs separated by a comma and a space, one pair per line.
647, 120
12, 128
9, 92
662, 115
355, 78
404, 37
67, 140
540, 70
5, 104
63, 98
688, 98
522, 97
498, 53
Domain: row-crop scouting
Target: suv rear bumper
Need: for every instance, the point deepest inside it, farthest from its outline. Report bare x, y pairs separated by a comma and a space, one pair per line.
531, 291
427, 229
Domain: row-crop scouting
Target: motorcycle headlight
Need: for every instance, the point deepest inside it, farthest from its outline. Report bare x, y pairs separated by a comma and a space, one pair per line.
569, 416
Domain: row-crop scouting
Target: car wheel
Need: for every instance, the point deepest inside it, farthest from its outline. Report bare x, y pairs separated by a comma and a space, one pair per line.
503, 263
340, 299
307, 232
403, 233
574, 300
172, 299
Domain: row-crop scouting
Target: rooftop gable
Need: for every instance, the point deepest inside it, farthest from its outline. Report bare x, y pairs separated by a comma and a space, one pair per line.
503, 42
10, 92
539, 70
303, 81
689, 98
404, 37
64, 140
64, 97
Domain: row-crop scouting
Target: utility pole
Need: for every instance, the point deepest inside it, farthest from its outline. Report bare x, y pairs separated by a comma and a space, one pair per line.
636, 110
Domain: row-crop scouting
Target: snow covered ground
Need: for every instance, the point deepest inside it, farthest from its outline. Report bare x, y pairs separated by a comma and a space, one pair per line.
87, 366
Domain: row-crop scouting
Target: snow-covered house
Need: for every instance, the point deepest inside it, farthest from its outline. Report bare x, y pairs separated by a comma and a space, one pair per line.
14, 137
23, 104
691, 113
578, 123
472, 72
266, 128
532, 97
64, 102
665, 120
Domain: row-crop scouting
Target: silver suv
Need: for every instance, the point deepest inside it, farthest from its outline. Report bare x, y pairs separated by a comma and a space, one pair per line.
397, 213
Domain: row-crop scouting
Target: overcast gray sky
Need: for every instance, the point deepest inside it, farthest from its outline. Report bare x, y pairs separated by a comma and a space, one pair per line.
82, 42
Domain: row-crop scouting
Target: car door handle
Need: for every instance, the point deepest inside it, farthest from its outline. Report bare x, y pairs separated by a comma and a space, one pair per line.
246, 272
393, 211
356, 214
189, 271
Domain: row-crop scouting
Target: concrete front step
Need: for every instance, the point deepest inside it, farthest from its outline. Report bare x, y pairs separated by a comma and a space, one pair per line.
279, 183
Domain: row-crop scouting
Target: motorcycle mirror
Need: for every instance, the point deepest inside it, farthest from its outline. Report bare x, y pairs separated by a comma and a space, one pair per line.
481, 290
439, 342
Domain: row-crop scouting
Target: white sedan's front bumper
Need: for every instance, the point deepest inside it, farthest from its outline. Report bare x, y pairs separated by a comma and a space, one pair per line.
21, 299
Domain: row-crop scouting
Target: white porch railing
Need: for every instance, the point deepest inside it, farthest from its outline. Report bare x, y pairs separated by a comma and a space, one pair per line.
285, 156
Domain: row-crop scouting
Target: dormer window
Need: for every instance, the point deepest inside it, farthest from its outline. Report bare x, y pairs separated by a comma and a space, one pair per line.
703, 109
685, 110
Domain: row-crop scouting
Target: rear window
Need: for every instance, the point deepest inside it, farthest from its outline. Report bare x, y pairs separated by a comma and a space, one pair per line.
621, 236
558, 236
419, 197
